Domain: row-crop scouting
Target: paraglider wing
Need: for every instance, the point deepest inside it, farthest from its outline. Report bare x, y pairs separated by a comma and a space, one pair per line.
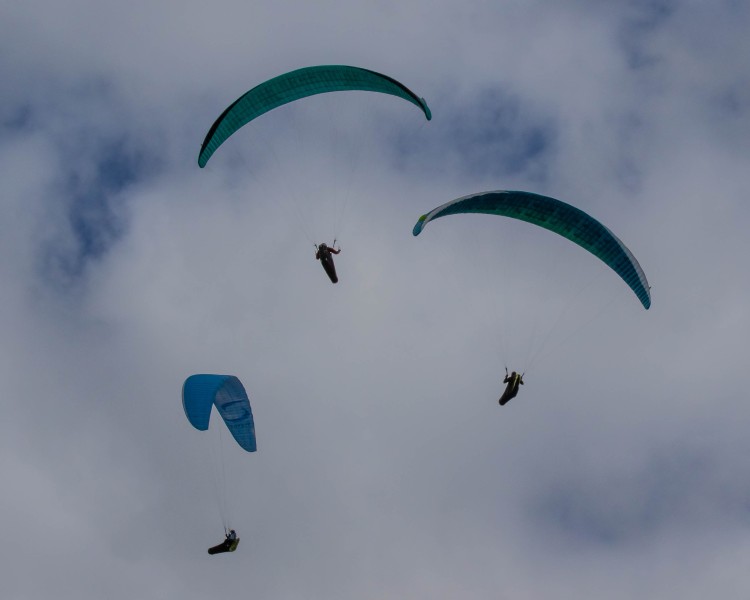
555, 215
294, 85
201, 392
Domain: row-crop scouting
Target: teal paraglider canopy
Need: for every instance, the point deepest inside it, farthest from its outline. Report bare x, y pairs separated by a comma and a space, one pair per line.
308, 81
202, 392
559, 217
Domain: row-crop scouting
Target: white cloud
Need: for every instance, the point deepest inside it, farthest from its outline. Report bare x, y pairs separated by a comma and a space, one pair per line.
385, 467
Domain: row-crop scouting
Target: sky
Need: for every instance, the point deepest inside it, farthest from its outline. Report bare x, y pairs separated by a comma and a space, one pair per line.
385, 467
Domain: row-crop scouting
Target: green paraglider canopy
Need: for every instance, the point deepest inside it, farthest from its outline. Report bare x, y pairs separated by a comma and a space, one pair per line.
295, 85
559, 217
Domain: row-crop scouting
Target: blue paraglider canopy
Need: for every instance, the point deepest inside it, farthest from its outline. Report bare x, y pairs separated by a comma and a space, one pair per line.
201, 392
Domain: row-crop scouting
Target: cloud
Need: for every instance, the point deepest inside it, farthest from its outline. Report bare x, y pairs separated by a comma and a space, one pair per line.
385, 466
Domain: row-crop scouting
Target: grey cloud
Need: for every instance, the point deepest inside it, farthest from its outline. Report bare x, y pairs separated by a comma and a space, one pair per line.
385, 466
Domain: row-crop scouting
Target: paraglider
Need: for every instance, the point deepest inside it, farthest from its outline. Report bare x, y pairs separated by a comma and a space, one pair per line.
200, 393
514, 380
323, 254
559, 217
290, 87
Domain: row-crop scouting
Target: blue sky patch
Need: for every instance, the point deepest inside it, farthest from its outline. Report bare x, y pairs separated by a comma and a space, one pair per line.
619, 508
647, 17
97, 211
495, 134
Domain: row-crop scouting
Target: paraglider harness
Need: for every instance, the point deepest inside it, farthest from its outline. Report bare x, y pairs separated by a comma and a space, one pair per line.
323, 254
511, 390
228, 545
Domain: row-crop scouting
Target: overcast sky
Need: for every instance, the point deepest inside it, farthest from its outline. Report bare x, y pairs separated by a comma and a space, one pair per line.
385, 467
